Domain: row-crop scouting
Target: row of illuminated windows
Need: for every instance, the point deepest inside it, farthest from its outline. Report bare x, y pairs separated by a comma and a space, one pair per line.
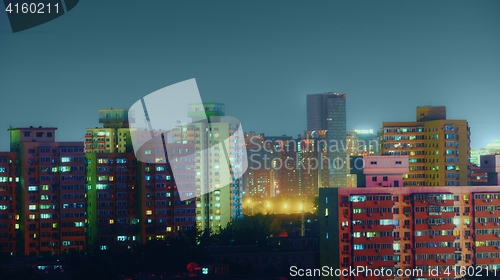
433, 232
363, 198
431, 197
404, 137
374, 246
383, 222
72, 205
435, 221
488, 243
487, 196
105, 160
42, 216
434, 256
372, 234
403, 129
372, 210
168, 177
71, 159
4, 179
373, 258
157, 168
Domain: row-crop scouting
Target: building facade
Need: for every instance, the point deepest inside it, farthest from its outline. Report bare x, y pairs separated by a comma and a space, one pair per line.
438, 149
218, 192
328, 112
10, 236
50, 213
420, 230
131, 202
379, 171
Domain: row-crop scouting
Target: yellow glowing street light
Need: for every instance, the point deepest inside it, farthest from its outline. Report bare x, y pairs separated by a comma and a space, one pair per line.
300, 207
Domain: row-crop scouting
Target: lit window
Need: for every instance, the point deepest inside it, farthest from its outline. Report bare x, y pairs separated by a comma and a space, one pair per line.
65, 159
64, 169
160, 168
32, 207
149, 212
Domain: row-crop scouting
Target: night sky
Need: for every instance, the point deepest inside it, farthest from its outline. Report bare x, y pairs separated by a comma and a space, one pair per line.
260, 58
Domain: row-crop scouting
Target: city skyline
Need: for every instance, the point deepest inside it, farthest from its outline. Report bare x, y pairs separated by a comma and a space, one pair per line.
443, 53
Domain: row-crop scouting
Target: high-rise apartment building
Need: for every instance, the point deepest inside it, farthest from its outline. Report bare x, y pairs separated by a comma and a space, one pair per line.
438, 149
131, 202
50, 214
217, 203
328, 112
9, 191
113, 136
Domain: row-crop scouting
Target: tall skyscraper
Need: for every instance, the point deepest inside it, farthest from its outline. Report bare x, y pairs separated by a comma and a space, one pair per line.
327, 111
438, 149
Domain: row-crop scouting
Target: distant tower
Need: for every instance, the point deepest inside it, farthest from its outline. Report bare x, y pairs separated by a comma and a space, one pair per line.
327, 111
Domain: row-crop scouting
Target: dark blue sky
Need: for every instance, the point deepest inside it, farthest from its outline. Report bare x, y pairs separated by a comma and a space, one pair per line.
261, 58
